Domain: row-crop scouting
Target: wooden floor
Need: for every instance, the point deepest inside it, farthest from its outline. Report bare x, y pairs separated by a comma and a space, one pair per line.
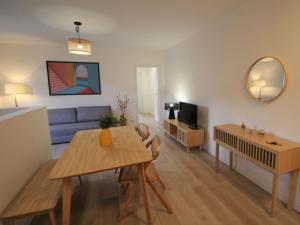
197, 194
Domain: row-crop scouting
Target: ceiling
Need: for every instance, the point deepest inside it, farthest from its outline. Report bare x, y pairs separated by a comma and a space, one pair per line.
144, 24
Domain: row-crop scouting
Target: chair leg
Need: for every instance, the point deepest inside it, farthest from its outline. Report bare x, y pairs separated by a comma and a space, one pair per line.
159, 180
125, 188
160, 197
121, 175
52, 217
80, 180
126, 204
143, 184
9, 221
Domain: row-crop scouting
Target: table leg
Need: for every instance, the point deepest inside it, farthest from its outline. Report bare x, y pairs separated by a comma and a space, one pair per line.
52, 217
66, 200
231, 160
142, 181
292, 189
217, 157
274, 193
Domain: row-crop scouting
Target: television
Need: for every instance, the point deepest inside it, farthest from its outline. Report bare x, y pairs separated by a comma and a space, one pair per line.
188, 113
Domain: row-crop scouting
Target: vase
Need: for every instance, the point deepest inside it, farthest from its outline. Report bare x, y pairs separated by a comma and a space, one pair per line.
123, 120
105, 137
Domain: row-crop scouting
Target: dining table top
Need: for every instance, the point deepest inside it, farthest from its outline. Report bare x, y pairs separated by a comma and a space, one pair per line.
85, 155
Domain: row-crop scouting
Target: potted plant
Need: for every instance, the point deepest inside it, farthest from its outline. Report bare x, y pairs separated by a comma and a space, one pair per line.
122, 104
105, 122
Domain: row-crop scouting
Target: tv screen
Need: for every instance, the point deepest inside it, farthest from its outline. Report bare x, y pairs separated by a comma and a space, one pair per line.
188, 113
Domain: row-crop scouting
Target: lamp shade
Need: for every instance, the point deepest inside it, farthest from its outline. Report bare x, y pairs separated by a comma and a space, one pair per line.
171, 105
17, 88
260, 83
255, 91
79, 46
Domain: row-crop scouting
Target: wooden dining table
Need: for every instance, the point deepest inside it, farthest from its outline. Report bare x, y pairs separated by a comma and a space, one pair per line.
84, 155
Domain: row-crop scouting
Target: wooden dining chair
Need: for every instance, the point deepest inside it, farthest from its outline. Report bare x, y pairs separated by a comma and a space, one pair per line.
143, 131
131, 178
151, 170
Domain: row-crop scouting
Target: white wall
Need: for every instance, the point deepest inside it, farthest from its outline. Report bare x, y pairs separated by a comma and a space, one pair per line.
5, 111
22, 156
209, 69
139, 78
24, 63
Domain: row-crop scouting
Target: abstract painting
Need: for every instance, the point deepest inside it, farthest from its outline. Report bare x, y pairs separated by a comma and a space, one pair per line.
73, 78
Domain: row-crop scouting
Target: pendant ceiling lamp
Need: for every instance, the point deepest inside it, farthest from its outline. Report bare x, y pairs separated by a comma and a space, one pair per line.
78, 45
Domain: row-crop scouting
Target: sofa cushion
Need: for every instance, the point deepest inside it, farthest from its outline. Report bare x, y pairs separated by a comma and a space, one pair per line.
62, 116
70, 129
91, 113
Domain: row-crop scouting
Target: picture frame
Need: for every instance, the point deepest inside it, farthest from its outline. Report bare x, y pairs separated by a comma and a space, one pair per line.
73, 78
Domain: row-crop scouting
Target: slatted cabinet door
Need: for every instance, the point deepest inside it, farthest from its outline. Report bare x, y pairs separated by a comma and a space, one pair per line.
167, 126
181, 136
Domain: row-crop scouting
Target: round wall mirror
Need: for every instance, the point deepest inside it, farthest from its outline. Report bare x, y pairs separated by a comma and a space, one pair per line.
266, 79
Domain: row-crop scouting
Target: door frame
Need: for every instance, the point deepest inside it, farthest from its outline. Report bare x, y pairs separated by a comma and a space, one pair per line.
159, 77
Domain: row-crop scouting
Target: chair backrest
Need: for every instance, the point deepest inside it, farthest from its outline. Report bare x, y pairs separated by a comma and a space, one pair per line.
155, 147
143, 131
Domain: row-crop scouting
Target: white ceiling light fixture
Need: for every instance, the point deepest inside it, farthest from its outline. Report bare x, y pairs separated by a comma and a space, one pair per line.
78, 45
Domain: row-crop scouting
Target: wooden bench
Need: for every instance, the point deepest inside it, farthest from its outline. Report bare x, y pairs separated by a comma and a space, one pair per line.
38, 196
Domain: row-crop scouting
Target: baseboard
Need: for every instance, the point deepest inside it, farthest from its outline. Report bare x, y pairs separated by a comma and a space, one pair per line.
257, 179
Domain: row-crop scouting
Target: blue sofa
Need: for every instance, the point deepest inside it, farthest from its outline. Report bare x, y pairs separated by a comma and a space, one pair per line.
65, 122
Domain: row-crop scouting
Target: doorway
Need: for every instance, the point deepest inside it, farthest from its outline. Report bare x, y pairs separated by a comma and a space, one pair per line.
147, 91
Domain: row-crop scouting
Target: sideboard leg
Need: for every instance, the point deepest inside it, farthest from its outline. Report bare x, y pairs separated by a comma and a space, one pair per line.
274, 193
217, 157
231, 160
292, 189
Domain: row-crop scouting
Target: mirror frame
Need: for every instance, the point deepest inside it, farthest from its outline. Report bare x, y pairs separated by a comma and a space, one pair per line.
285, 78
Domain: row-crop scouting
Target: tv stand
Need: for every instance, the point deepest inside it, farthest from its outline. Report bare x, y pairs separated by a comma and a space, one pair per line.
182, 133
194, 127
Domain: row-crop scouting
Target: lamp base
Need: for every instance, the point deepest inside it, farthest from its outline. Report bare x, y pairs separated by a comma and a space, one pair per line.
171, 114
16, 102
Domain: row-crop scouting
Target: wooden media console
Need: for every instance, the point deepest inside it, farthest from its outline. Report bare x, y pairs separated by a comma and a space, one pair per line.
181, 132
